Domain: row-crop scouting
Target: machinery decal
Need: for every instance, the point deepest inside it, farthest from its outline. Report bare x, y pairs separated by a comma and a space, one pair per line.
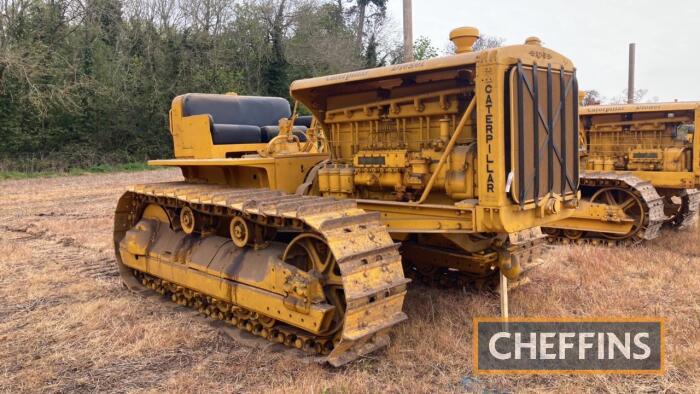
488, 89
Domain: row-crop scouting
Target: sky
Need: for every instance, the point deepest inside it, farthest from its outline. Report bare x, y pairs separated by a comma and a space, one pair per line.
594, 34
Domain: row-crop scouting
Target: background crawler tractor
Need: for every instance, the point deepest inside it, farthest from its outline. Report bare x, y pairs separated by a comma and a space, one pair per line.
642, 169
289, 229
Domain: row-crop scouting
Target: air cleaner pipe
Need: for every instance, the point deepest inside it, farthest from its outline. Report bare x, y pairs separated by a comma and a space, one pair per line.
448, 150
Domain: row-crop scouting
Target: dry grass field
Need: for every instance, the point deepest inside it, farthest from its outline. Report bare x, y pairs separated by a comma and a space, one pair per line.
67, 325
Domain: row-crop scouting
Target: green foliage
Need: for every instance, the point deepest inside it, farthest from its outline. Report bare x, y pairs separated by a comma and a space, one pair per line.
89, 82
372, 54
423, 49
95, 169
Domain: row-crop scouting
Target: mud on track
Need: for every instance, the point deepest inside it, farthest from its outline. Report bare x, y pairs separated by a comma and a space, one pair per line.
66, 323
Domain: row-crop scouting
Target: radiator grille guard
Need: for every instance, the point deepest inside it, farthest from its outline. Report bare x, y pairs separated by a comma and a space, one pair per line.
544, 133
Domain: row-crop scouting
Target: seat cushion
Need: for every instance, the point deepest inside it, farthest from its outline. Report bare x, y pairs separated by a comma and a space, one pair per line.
237, 110
303, 121
235, 134
267, 133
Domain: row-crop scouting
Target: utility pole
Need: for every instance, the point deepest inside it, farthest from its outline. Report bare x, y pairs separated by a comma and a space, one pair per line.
407, 31
630, 76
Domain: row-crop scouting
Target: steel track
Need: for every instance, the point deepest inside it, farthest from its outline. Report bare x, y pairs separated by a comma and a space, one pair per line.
359, 242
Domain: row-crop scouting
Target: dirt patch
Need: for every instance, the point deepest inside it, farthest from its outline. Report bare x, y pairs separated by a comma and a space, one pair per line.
66, 323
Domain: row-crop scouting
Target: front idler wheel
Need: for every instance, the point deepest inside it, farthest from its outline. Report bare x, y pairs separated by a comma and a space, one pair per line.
310, 252
628, 202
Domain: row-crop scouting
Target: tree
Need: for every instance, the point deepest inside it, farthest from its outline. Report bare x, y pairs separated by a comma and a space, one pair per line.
322, 41
639, 95
371, 53
276, 73
484, 42
86, 82
488, 42
362, 5
423, 49
592, 97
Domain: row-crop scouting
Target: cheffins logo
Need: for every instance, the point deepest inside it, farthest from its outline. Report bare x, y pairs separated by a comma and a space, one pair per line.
569, 345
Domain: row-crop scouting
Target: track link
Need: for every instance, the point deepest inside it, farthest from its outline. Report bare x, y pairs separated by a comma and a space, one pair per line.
688, 213
653, 205
370, 264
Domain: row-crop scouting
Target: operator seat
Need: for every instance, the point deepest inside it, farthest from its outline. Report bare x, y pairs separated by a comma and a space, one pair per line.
241, 119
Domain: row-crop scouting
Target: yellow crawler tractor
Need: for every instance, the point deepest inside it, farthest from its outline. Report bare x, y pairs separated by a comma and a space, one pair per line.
287, 228
641, 170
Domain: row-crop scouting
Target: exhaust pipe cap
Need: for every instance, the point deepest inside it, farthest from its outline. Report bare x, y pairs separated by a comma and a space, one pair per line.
464, 38
533, 41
